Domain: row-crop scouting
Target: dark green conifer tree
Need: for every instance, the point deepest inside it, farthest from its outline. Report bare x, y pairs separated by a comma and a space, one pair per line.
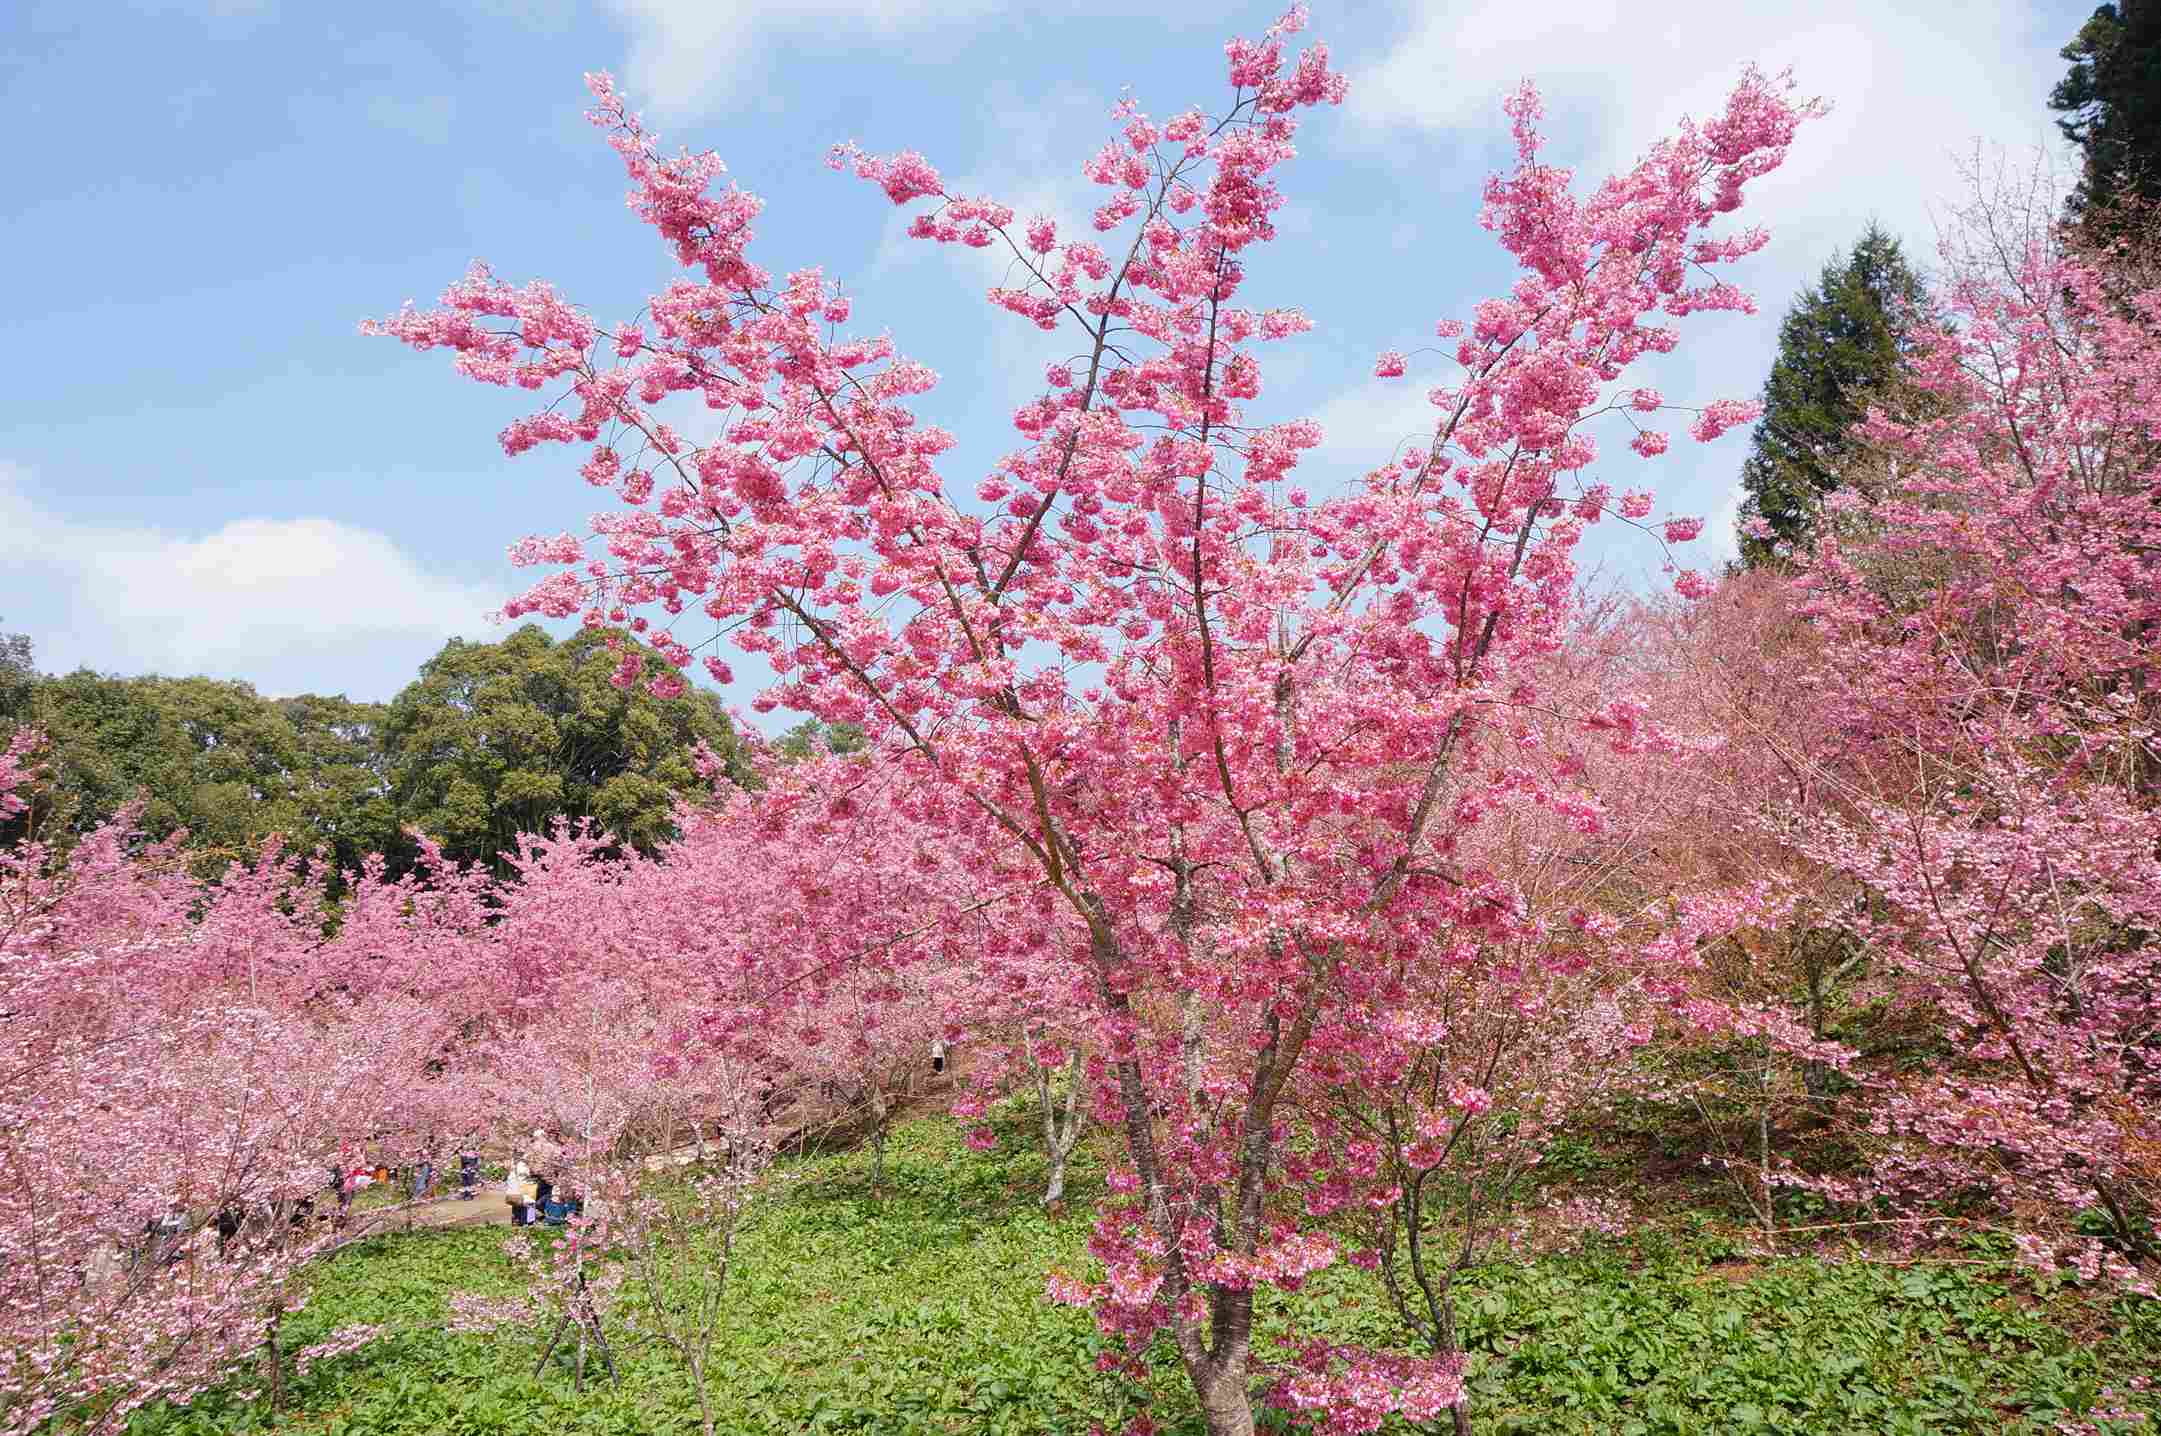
1839, 348
2111, 107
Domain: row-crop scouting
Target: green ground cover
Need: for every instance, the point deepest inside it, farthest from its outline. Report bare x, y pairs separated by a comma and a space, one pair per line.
923, 1312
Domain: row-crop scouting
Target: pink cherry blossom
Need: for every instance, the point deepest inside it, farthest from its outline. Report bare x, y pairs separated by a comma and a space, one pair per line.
1190, 761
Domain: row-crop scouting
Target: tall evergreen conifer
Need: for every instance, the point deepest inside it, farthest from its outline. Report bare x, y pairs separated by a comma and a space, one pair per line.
2111, 105
1838, 349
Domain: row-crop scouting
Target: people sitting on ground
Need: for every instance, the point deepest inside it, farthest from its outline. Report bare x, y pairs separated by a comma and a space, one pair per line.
547, 1159
542, 1207
468, 1175
163, 1242
341, 1182
514, 1191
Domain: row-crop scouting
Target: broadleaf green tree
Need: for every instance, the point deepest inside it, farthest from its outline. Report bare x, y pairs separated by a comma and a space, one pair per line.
18, 674
208, 756
812, 737
495, 739
348, 805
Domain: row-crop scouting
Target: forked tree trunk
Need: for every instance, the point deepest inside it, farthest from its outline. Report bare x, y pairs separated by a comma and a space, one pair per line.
1217, 1355
1054, 1188
1061, 1131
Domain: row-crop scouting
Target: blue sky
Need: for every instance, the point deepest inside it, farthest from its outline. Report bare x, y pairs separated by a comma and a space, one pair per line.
203, 468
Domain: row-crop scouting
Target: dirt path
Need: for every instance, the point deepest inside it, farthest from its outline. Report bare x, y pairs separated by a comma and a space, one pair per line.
487, 1208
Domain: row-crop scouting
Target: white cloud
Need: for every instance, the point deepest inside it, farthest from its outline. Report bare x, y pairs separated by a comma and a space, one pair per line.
1907, 80
685, 55
1720, 543
1914, 88
1367, 424
290, 605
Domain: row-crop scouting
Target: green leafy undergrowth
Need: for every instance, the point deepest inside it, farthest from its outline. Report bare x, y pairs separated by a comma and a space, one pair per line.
1614, 1343
919, 1310
922, 1311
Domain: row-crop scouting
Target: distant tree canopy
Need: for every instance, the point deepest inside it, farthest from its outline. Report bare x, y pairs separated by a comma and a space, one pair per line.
491, 739
1839, 347
18, 672
214, 758
351, 811
494, 739
811, 736
2111, 107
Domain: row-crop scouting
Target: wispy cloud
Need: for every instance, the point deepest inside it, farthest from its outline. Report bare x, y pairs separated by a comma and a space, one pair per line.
1913, 88
289, 604
686, 56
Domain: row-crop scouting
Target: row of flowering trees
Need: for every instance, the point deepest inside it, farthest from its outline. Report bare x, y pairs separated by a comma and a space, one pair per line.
192, 1070
1326, 853
1984, 613
182, 1073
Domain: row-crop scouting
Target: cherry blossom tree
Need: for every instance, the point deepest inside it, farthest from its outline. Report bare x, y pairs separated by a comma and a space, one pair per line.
678, 1237
1505, 1040
1030, 1013
625, 1101
1988, 607
854, 938
165, 1116
1239, 731
1757, 1053
812, 931
1031, 1047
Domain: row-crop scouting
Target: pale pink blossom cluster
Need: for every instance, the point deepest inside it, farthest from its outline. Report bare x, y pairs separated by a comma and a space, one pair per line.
189, 1068
1577, 1218
1355, 1391
2006, 867
18, 769
341, 1342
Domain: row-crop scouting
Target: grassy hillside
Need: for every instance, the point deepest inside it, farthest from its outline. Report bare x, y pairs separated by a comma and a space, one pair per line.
924, 1313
